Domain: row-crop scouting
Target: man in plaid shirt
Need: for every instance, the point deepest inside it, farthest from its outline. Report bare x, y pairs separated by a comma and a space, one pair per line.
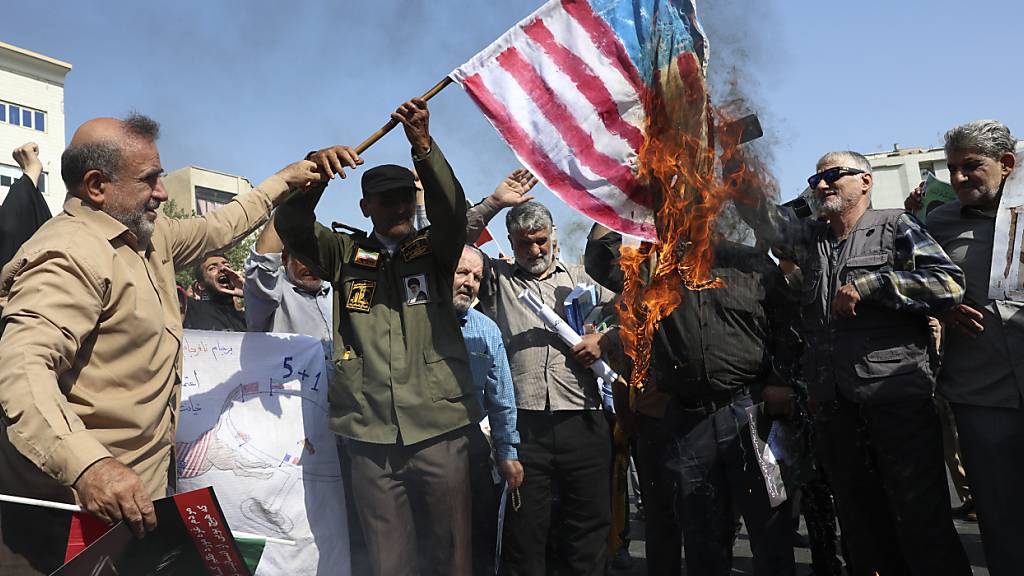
870, 279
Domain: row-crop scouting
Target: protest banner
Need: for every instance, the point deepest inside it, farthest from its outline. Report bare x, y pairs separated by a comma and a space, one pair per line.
254, 426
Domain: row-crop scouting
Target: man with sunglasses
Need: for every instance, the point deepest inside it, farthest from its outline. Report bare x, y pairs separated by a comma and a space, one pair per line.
870, 279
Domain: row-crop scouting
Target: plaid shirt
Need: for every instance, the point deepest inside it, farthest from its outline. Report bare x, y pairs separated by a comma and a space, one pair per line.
493, 380
923, 279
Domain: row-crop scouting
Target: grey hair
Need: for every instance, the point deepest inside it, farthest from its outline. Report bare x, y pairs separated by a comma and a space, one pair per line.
858, 160
479, 253
529, 217
78, 159
989, 138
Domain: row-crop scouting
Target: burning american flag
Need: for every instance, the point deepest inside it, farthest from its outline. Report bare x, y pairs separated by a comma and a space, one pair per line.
568, 87
606, 102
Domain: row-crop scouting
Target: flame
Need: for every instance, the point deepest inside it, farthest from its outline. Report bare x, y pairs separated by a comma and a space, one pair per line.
679, 165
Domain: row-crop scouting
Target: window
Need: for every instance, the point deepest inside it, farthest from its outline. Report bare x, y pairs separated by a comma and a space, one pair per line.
17, 115
6, 180
42, 183
208, 199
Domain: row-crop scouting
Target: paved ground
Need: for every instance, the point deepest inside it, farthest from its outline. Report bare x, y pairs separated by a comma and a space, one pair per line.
742, 563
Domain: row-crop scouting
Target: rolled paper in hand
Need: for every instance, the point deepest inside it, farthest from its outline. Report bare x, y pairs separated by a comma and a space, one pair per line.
554, 323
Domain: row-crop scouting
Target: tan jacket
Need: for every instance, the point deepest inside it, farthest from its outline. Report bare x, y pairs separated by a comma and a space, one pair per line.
90, 356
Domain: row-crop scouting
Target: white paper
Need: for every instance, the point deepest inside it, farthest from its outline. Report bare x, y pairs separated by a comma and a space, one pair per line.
254, 426
554, 323
766, 460
1005, 279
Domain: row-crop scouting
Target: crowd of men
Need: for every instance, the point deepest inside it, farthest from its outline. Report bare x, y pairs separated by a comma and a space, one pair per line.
841, 326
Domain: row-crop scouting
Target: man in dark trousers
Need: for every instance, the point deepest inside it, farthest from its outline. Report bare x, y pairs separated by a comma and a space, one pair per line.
982, 375
709, 354
870, 279
402, 394
24, 210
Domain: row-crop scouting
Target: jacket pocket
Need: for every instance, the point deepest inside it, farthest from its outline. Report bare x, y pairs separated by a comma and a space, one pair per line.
443, 372
885, 362
347, 386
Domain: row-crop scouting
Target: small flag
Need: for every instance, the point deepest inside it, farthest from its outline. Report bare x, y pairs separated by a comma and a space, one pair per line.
292, 459
484, 238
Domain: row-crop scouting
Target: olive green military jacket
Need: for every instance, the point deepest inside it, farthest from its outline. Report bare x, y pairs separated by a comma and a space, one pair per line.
401, 372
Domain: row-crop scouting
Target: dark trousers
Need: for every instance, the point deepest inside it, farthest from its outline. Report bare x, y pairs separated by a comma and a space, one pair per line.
410, 494
711, 460
32, 539
486, 495
570, 448
664, 537
886, 469
992, 441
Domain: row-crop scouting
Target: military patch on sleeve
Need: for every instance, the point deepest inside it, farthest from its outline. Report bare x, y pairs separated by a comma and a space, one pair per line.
360, 295
366, 258
415, 248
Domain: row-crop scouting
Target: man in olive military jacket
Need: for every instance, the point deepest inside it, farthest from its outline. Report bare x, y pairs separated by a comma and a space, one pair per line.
401, 394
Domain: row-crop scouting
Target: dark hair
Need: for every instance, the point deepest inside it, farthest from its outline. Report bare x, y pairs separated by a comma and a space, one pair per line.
197, 268
412, 281
78, 159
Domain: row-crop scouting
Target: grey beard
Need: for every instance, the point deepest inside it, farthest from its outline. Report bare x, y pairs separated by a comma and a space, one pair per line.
136, 223
462, 305
538, 266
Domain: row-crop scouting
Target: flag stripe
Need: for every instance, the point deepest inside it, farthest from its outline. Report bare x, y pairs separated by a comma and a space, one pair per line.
588, 83
606, 40
524, 112
538, 160
556, 112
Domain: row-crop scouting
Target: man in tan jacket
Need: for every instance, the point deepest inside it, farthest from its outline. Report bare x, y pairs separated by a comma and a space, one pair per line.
90, 352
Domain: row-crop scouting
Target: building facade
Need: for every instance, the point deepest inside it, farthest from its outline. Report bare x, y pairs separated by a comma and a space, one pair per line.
201, 191
32, 110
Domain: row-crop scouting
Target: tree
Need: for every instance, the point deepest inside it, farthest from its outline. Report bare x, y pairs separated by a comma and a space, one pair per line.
236, 255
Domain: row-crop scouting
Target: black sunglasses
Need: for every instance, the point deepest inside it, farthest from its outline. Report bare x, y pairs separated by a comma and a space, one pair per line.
831, 175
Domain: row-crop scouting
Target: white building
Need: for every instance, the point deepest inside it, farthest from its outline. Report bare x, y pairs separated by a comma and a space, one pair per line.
898, 172
202, 191
32, 110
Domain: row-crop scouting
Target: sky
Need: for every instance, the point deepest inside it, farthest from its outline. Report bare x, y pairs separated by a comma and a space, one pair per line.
248, 86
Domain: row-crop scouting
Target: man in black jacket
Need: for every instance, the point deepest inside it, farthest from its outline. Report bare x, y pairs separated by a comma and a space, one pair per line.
709, 355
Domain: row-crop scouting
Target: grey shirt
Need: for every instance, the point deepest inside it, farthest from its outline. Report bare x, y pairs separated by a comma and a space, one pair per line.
274, 304
987, 370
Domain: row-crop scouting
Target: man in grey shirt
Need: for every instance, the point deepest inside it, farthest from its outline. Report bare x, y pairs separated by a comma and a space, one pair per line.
282, 294
564, 436
982, 372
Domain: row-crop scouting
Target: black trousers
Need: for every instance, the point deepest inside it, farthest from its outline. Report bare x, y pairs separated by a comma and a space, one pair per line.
32, 539
992, 442
886, 469
711, 460
486, 495
664, 536
572, 449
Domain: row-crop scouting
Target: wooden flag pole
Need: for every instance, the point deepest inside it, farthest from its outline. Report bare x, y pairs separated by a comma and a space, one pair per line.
392, 123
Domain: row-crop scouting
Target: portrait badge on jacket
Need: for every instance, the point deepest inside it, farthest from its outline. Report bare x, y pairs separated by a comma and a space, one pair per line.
416, 289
